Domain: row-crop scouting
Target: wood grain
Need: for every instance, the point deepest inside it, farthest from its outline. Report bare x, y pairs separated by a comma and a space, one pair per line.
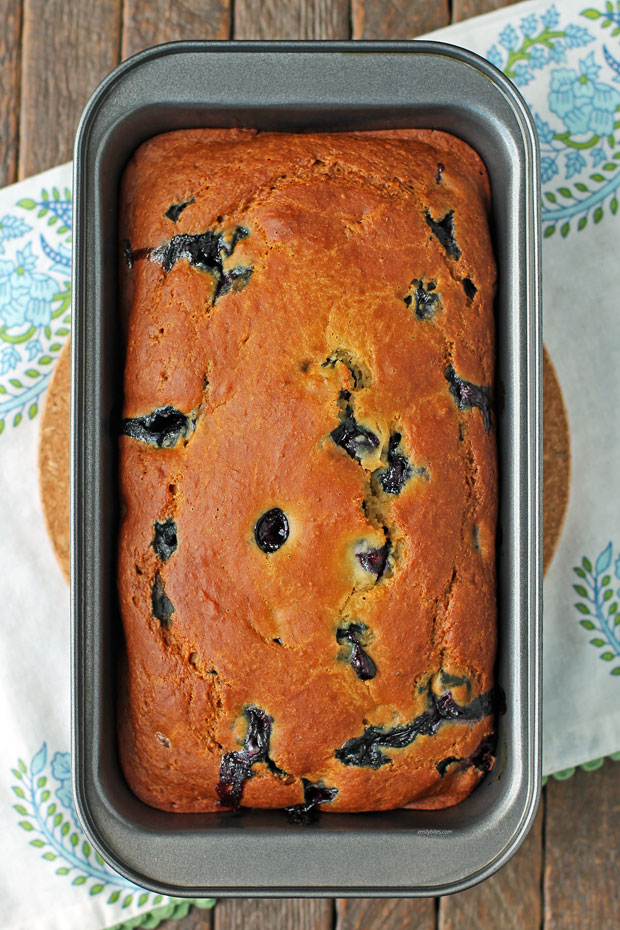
510, 899
581, 856
291, 19
67, 48
463, 9
273, 914
397, 19
149, 22
196, 919
385, 913
10, 59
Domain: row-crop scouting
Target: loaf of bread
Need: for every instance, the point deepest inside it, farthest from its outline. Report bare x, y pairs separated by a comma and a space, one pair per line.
307, 471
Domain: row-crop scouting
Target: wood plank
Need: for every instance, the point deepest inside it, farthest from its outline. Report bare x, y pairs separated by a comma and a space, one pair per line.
291, 19
10, 59
196, 919
511, 898
273, 914
463, 9
397, 19
385, 913
581, 856
67, 48
149, 22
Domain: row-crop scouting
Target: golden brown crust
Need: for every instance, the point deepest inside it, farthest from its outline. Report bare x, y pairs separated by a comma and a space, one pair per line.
339, 232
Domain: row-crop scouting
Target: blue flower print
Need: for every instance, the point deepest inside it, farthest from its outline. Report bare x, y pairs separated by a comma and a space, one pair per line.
61, 770
538, 57
12, 227
545, 132
550, 18
582, 103
9, 359
523, 75
598, 155
577, 36
509, 37
39, 307
25, 294
33, 349
557, 53
529, 24
495, 56
548, 168
574, 164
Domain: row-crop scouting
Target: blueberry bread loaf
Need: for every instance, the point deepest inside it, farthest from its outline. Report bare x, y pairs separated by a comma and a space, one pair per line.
307, 471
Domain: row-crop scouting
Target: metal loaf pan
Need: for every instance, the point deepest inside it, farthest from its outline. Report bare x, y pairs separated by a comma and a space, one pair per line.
305, 86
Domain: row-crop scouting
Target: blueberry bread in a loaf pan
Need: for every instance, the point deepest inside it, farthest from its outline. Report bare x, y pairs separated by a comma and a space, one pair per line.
307, 471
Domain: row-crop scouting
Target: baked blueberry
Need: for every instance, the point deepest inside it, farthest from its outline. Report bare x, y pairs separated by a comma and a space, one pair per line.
360, 661
236, 767
127, 253
440, 170
271, 530
163, 608
469, 287
444, 230
207, 251
374, 560
163, 427
175, 209
365, 750
468, 395
398, 471
165, 539
315, 794
356, 440
482, 758
427, 301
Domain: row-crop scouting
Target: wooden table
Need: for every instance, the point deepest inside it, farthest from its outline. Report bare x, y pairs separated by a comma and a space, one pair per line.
52, 55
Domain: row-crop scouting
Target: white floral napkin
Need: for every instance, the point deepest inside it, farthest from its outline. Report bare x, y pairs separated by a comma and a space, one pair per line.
566, 60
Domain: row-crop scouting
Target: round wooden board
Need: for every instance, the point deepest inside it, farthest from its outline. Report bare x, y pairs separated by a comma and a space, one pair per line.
54, 459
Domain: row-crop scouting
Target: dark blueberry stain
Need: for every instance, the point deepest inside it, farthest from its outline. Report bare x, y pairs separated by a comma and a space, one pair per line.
175, 210
365, 750
482, 758
475, 532
163, 607
236, 767
165, 539
398, 470
163, 427
453, 681
469, 287
206, 251
360, 661
315, 794
469, 395
426, 300
375, 560
444, 230
271, 530
440, 170
356, 440
127, 253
